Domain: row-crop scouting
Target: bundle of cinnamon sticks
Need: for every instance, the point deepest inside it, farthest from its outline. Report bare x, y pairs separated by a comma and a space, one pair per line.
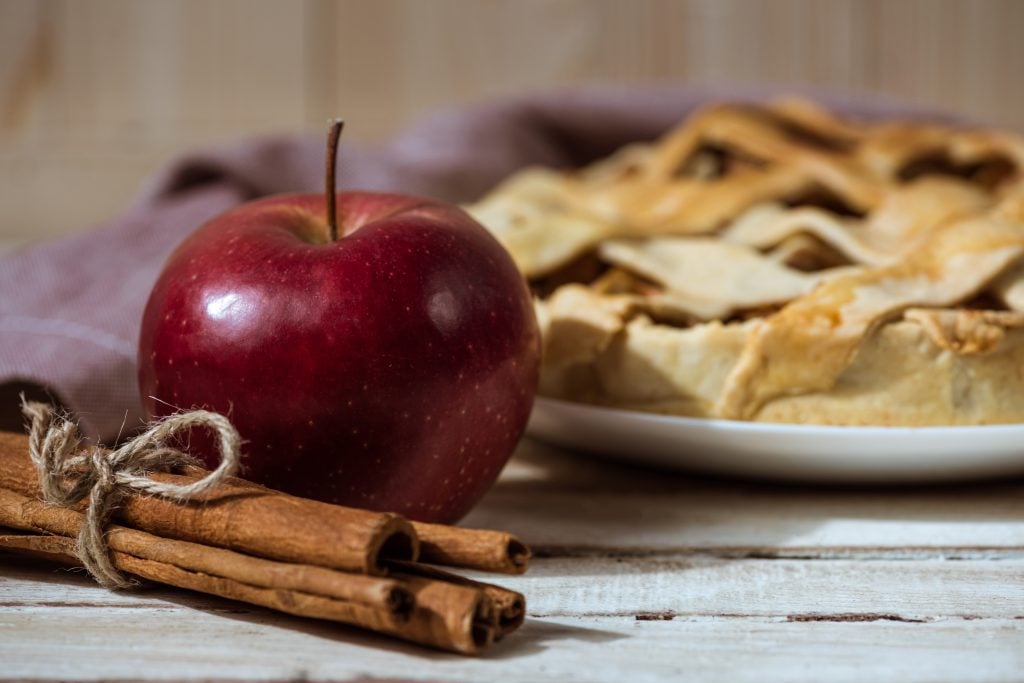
244, 542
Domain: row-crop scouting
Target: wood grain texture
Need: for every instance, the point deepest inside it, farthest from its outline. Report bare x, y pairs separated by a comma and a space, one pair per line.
673, 577
150, 632
566, 505
96, 95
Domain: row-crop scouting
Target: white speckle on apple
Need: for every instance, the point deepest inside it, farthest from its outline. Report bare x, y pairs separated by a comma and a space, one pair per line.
300, 446
310, 423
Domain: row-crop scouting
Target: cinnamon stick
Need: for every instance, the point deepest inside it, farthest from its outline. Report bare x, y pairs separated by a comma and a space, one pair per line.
48, 548
247, 517
380, 604
509, 606
300, 544
448, 616
489, 551
289, 601
443, 616
253, 520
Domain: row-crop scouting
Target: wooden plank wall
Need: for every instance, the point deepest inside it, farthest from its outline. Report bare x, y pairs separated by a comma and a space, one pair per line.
95, 94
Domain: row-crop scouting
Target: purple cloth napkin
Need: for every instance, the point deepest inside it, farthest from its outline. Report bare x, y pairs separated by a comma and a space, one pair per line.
70, 309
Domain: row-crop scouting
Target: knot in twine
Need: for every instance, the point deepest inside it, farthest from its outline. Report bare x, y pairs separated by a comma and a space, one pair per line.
67, 475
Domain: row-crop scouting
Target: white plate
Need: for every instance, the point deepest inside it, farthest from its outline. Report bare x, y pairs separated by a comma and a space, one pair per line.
782, 451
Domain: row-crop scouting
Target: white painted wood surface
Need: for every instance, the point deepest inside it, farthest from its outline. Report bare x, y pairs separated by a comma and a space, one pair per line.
641, 576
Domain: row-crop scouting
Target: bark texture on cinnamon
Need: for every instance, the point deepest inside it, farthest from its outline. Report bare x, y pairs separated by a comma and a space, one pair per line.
376, 603
509, 606
449, 615
244, 542
488, 551
437, 613
248, 519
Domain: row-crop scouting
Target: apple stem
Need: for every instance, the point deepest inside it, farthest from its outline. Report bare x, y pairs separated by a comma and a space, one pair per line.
333, 133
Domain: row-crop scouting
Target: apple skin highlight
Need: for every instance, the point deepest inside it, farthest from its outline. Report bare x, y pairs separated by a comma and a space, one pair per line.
393, 369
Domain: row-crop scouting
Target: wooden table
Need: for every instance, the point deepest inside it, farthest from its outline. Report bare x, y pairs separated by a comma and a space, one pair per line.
640, 576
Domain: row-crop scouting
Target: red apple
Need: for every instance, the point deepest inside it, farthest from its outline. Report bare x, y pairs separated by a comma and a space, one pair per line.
392, 367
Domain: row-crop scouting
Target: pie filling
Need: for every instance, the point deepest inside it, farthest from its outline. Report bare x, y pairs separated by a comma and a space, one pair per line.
777, 263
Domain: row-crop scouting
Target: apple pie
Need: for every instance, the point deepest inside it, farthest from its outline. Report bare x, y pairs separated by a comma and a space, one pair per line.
777, 263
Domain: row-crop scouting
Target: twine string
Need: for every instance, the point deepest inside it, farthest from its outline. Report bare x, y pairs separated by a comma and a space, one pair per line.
69, 474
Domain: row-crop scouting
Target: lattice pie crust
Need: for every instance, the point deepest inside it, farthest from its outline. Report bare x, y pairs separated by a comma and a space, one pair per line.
776, 263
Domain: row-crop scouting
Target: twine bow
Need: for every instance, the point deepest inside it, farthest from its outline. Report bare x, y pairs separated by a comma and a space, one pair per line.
67, 474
